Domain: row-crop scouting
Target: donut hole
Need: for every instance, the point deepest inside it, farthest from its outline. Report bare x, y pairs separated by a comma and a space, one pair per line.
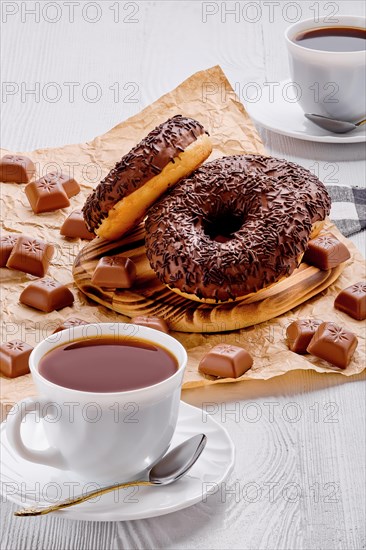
223, 228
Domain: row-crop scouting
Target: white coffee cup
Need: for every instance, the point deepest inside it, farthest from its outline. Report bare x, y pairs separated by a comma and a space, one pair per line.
328, 83
104, 437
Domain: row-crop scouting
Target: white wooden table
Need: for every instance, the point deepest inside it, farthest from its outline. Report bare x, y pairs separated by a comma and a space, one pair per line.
299, 480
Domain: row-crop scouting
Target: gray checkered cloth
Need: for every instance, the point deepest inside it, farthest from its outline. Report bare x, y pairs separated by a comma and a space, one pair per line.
348, 208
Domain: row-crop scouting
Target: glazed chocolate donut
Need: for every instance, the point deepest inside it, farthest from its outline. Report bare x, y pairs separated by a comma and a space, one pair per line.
167, 154
236, 225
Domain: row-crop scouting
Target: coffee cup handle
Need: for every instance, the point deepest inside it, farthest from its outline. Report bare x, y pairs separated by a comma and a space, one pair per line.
50, 456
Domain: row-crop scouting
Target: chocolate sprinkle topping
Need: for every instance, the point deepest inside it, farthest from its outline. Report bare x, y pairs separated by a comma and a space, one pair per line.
235, 226
147, 159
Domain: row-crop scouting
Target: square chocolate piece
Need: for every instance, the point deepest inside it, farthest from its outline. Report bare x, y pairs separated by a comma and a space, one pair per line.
14, 358
299, 333
151, 322
7, 243
16, 169
46, 195
326, 252
47, 295
74, 227
70, 185
70, 323
31, 256
352, 300
114, 272
333, 344
226, 361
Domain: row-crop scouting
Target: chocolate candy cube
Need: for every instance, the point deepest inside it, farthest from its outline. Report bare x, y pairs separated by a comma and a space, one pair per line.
7, 243
74, 227
14, 358
31, 256
300, 332
352, 300
47, 295
226, 361
326, 252
70, 323
46, 195
151, 322
114, 272
333, 344
70, 185
16, 169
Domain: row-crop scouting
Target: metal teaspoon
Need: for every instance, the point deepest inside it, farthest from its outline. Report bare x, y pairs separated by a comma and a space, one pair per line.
169, 469
334, 125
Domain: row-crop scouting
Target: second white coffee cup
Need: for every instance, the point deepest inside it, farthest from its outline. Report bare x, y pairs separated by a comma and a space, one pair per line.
328, 83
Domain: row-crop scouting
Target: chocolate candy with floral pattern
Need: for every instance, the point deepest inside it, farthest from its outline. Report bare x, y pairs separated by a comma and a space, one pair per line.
334, 344
14, 358
46, 195
114, 272
31, 256
7, 243
226, 361
326, 252
71, 323
70, 185
46, 295
74, 227
156, 323
16, 169
352, 300
300, 332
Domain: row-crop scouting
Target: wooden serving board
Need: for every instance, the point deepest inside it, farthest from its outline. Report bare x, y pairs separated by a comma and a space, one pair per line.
150, 297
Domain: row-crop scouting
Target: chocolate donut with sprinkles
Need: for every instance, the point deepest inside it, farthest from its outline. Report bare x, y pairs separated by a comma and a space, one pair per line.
235, 226
168, 153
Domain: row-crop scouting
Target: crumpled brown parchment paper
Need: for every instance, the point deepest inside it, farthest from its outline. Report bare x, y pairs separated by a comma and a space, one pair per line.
207, 96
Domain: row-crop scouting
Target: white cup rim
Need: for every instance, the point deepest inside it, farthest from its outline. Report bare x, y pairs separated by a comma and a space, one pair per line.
76, 333
342, 19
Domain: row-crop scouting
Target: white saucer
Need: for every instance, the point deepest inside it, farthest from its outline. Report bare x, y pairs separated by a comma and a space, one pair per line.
287, 118
27, 484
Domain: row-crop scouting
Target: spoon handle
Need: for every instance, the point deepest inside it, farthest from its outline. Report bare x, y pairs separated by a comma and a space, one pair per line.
42, 510
361, 123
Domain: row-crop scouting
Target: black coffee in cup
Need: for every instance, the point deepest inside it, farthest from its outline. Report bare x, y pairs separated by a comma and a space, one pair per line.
333, 39
108, 364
